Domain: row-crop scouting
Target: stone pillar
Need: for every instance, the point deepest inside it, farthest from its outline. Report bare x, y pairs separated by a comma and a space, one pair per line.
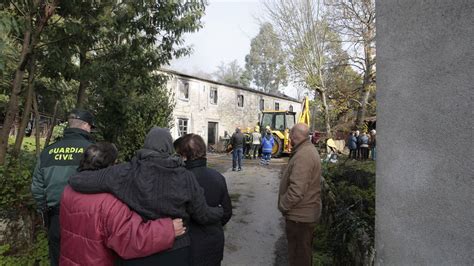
425, 173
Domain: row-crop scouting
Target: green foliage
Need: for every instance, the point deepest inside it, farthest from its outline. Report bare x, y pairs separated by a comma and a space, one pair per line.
15, 181
127, 124
346, 233
112, 49
266, 61
36, 255
58, 131
8, 50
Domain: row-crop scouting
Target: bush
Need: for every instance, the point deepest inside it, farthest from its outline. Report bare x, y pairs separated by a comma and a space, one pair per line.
18, 215
15, 181
36, 255
346, 231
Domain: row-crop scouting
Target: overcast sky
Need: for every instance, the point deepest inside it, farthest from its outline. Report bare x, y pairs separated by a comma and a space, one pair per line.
228, 27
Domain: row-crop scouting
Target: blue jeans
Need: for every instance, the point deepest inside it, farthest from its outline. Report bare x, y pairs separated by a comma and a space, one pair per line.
373, 153
237, 157
266, 156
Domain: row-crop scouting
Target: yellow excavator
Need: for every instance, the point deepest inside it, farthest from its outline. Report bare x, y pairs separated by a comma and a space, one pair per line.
280, 123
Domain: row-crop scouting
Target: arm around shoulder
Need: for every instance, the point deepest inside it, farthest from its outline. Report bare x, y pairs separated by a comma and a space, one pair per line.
92, 181
130, 237
198, 208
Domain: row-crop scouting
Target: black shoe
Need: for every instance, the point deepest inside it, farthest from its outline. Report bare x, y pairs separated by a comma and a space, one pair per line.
233, 169
240, 169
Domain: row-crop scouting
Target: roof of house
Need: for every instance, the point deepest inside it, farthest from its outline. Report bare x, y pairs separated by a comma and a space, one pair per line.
280, 95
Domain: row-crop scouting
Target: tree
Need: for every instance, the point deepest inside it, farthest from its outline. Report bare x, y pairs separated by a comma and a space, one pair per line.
355, 20
306, 38
266, 61
232, 73
35, 16
100, 48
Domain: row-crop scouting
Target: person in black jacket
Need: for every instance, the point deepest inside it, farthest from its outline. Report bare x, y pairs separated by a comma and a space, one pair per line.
237, 142
155, 185
207, 241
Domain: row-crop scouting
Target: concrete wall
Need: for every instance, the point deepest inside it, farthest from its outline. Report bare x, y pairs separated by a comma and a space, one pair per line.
199, 110
425, 173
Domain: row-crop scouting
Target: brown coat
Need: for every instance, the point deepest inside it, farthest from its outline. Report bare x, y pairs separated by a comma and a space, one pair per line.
299, 198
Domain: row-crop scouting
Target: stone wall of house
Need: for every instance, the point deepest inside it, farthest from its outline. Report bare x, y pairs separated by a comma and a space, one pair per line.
198, 108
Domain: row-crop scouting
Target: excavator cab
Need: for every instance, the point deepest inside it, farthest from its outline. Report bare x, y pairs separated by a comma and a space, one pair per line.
280, 123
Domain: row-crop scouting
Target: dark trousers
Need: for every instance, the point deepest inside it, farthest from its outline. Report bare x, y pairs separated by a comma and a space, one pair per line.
353, 154
364, 153
300, 243
255, 150
237, 157
53, 239
247, 148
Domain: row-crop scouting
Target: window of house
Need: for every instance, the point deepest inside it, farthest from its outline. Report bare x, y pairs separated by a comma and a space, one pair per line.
182, 126
277, 106
290, 108
183, 90
262, 104
213, 95
240, 100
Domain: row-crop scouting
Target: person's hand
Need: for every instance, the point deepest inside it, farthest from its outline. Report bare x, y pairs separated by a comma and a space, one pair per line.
179, 228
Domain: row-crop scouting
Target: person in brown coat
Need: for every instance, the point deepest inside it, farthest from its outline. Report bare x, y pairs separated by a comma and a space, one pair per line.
299, 197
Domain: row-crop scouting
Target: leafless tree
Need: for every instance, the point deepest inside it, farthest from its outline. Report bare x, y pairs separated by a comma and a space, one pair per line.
306, 38
355, 21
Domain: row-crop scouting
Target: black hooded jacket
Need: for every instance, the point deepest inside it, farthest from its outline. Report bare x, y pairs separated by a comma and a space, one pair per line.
207, 241
153, 184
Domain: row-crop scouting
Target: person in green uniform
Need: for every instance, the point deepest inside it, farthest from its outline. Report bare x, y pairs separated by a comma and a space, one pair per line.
55, 165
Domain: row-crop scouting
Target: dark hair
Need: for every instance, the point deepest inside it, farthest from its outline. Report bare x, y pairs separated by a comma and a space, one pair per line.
191, 146
98, 156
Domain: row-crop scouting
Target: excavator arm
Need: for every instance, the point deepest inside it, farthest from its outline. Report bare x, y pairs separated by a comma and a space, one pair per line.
305, 115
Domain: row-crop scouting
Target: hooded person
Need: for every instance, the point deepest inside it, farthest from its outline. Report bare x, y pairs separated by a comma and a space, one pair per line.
155, 184
267, 147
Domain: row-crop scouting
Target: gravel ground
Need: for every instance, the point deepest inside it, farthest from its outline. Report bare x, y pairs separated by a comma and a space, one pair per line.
254, 235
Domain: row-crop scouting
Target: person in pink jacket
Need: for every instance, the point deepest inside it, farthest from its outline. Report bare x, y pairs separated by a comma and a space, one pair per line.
95, 228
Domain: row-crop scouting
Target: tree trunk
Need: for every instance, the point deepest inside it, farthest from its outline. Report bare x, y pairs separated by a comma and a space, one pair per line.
30, 39
81, 93
13, 102
364, 100
326, 112
26, 112
51, 128
37, 127
368, 73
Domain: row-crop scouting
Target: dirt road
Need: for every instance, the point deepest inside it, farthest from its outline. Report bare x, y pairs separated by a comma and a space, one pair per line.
254, 235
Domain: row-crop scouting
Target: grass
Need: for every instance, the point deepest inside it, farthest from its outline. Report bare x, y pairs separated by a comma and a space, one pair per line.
29, 143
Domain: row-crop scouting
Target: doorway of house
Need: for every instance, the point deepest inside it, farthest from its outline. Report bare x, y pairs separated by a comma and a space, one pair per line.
211, 135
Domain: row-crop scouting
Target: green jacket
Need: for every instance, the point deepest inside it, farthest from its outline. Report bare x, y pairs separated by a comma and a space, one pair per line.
56, 164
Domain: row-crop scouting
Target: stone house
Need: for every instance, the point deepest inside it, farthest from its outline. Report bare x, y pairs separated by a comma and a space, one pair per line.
213, 109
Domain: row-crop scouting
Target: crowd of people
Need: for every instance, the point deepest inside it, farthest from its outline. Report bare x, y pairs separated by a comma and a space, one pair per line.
362, 145
164, 206
251, 145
